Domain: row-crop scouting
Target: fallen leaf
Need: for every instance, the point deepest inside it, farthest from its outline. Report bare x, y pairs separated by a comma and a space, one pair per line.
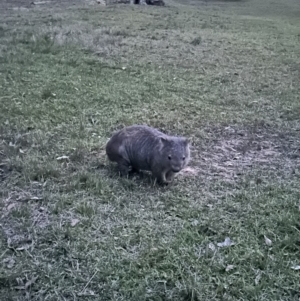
25, 247
40, 2
74, 222
270, 153
195, 222
257, 278
62, 158
229, 267
119, 248
19, 287
296, 267
35, 198
23, 198
10, 262
268, 241
11, 206
189, 171
87, 292
30, 282
211, 246
226, 243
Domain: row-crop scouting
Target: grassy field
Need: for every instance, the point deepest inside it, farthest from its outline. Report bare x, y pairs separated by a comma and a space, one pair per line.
224, 74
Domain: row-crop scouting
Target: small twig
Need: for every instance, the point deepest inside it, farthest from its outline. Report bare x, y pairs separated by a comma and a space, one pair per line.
40, 2
89, 282
3, 253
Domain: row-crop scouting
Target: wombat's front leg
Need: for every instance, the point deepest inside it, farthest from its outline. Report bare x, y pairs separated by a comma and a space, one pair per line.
161, 178
123, 166
170, 176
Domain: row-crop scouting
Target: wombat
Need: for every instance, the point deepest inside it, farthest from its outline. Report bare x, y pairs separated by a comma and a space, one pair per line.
141, 147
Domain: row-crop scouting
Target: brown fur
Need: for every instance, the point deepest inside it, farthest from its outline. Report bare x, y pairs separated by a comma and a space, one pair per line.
140, 147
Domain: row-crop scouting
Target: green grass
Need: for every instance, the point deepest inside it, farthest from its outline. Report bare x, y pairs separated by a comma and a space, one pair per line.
225, 74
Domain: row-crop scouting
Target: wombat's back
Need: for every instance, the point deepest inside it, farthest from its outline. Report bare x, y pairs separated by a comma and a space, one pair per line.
134, 143
140, 144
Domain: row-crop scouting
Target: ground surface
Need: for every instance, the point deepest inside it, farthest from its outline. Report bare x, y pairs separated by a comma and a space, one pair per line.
224, 74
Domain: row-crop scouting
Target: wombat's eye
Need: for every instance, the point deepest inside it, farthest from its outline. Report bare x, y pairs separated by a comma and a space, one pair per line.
169, 157
183, 158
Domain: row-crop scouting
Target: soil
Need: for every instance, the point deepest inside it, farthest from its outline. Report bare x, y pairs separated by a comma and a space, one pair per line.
230, 151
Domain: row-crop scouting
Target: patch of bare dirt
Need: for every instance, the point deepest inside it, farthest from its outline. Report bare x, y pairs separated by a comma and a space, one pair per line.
231, 151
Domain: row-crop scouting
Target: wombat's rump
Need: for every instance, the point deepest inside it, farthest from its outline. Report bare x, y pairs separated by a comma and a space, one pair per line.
140, 147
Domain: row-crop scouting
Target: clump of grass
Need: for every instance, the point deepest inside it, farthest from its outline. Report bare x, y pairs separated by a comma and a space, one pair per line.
196, 41
47, 93
43, 44
116, 32
37, 170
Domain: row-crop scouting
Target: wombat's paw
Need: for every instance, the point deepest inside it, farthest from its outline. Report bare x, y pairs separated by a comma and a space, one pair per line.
123, 173
133, 170
164, 183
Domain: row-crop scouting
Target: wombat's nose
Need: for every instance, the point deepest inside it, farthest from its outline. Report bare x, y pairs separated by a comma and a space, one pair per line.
176, 169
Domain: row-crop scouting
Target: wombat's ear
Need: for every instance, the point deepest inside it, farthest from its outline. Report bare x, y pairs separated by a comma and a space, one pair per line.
163, 139
186, 141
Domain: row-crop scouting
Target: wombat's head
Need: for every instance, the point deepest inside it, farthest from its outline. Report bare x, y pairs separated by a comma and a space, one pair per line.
176, 152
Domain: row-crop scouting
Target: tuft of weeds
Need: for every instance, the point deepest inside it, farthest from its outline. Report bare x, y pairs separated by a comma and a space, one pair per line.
196, 41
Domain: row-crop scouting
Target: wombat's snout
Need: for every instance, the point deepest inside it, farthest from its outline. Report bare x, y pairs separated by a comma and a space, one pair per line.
176, 169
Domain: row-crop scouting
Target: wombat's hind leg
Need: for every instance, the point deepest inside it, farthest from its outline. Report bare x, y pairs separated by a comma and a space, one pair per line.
123, 167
